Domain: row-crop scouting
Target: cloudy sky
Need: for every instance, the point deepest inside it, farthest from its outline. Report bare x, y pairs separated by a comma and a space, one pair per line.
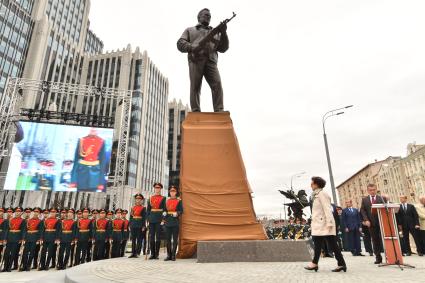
289, 62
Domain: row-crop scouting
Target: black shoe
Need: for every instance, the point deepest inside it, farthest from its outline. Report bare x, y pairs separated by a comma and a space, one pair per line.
340, 268
359, 254
378, 261
132, 256
173, 258
152, 257
420, 254
167, 258
328, 255
315, 268
409, 254
371, 254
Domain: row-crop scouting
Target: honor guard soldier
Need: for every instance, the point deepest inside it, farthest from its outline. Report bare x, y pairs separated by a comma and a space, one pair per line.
156, 207
67, 237
126, 233
44, 214
101, 233
49, 238
117, 234
78, 214
15, 232
137, 226
32, 239
173, 209
109, 217
3, 224
84, 234
90, 248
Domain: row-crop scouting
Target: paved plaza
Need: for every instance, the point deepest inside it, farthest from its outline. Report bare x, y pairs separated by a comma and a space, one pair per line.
360, 269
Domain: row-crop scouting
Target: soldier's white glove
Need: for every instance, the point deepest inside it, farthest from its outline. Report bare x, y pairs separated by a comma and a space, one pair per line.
175, 214
164, 213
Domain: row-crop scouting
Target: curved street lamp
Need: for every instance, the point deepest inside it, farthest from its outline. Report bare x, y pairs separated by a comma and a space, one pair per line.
330, 113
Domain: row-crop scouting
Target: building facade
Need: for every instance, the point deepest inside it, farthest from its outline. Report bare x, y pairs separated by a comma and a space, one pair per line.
16, 26
62, 48
355, 187
394, 177
414, 168
125, 69
177, 112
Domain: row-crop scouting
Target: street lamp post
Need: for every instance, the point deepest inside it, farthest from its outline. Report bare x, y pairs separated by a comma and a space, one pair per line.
328, 114
297, 176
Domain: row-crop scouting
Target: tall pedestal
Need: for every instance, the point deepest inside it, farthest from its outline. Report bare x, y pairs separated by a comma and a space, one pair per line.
215, 191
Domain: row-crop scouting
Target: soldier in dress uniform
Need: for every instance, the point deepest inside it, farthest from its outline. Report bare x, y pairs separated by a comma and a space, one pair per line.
109, 217
78, 214
35, 262
15, 232
174, 208
24, 214
3, 224
90, 248
156, 207
84, 234
101, 234
49, 239
32, 239
137, 226
67, 237
117, 234
126, 233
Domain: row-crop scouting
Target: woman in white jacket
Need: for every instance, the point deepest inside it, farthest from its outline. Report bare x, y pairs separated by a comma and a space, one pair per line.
323, 226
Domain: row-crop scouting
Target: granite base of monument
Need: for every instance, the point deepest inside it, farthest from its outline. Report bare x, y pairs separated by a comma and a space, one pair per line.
253, 251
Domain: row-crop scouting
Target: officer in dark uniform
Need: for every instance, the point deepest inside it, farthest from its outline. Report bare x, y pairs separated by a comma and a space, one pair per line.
109, 217
126, 233
101, 234
49, 239
32, 239
137, 226
67, 237
90, 248
117, 234
3, 225
174, 208
156, 207
15, 232
84, 234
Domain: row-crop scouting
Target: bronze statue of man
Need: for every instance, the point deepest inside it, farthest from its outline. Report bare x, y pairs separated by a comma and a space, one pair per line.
203, 58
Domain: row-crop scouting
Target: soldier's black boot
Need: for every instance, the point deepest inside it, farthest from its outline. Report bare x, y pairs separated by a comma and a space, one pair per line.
168, 252
157, 248
173, 252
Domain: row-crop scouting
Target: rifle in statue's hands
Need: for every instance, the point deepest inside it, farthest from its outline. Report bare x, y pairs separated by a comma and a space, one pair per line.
202, 44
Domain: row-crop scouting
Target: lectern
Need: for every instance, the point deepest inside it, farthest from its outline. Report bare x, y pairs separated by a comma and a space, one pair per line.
389, 233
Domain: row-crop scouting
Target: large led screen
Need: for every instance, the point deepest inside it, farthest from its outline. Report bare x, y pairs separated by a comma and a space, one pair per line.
57, 157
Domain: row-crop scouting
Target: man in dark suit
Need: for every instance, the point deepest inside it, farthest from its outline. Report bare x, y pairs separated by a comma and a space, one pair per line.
408, 222
370, 219
352, 220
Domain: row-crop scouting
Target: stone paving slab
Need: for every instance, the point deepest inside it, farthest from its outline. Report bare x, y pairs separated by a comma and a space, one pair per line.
360, 269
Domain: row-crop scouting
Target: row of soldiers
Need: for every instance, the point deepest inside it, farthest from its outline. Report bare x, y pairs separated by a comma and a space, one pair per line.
294, 230
44, 238
37, 238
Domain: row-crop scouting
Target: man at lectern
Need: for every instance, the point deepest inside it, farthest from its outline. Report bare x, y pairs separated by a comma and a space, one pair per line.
370, 219
408, 222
